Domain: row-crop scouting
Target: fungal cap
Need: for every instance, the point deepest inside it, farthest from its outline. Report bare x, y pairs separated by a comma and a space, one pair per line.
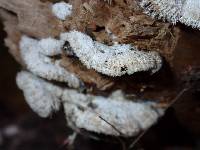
62, 10
191, 13
163, 9
35, 55
113, 115
118, 117
39, 95
115, 60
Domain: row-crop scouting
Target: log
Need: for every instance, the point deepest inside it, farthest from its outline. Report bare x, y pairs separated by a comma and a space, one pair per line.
140, 48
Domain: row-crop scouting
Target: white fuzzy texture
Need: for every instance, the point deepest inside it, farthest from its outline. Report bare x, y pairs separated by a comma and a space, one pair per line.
191, 13
50, 46
35, 55
41, 96
115, 60
185, 11
123, 117
62, 10
169, 10
114, 115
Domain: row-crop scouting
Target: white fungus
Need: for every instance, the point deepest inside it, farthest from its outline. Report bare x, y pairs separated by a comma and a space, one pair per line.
50, 46
169, 10
35, 55
107, 115
115, 60
191, 13
114, 115
184, 11
40, 95
62, 10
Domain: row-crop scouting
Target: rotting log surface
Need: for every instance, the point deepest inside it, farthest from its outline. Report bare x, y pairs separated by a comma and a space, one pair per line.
94, 17
125, 20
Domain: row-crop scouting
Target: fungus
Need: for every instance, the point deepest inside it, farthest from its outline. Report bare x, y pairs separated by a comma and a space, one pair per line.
75, 57
107, 115
169, 10
115, 60
35, 55
113, 115
191, 13
185, 11
41, 96
62, 10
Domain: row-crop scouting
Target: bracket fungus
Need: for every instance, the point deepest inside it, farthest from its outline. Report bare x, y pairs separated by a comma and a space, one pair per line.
114, 115
184, 11
62, 10
109, 116
41, 96
191, 13
97, 46
35, 55
115, 60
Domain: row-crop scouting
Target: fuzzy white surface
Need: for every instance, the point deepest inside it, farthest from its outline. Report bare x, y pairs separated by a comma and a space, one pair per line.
62, 10
115, 60
35, 55
114, 115
191, 13
41, 96
184, 11
123, 117
169, 10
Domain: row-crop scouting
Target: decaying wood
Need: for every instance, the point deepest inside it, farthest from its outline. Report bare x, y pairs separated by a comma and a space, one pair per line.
101, 21
108, 22
34, 17
13, 34
88, 76
125, 21
120, 22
